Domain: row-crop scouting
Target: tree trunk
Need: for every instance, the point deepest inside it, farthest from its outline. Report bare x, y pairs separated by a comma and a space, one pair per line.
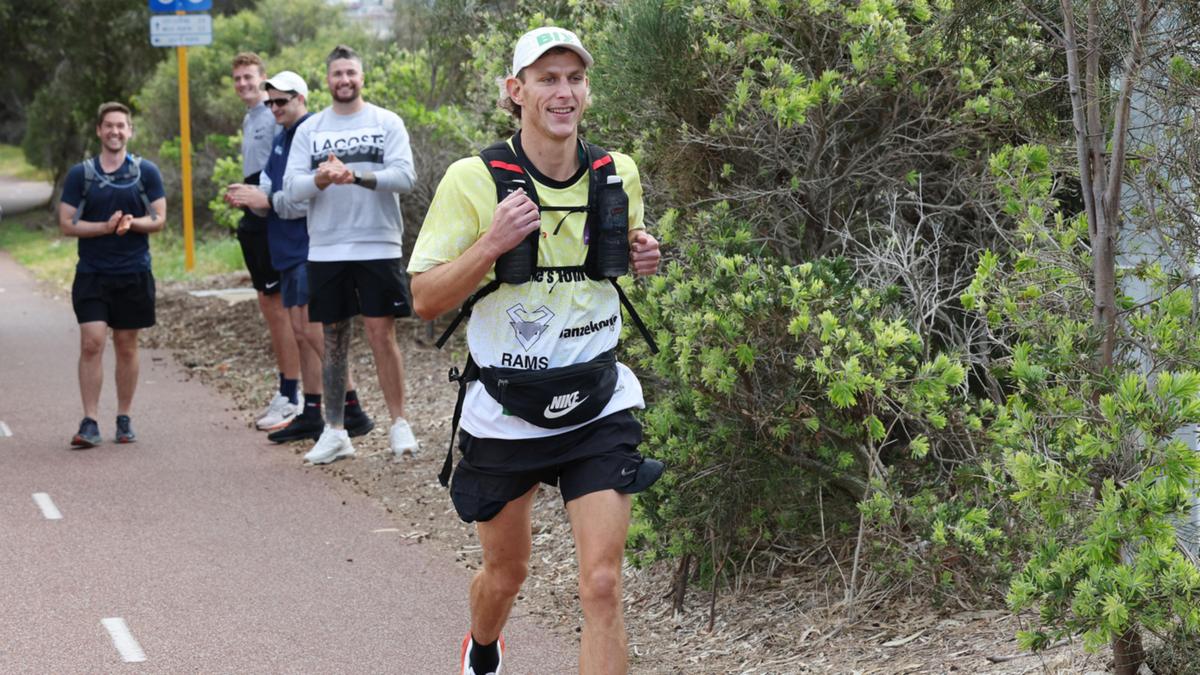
1100, 181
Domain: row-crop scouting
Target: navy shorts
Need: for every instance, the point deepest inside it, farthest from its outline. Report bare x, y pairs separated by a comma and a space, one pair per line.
123, 301
258, 260
342, 289
294, 282
602, 455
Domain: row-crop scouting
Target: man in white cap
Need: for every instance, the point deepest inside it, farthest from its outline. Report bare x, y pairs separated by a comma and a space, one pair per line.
258, 128
287, 239
527, 234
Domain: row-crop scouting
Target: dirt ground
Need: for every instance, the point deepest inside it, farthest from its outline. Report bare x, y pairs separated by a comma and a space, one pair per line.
782, 624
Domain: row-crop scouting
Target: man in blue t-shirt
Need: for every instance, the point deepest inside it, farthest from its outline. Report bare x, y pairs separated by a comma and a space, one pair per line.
111, 202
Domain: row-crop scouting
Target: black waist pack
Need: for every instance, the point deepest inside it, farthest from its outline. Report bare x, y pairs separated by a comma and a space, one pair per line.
555, 397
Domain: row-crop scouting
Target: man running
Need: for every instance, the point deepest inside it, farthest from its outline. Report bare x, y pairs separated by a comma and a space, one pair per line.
350, 162
111, 203
258, 130
547, 402
287, 234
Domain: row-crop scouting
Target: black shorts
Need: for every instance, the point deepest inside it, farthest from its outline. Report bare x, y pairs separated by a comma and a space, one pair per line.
342, 289
123, 301
600, 456
258, 260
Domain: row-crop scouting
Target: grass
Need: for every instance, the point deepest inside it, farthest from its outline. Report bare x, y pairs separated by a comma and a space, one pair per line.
12, 163
33, 240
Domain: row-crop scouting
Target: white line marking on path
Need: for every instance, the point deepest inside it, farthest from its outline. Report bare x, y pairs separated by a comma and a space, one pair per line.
47, 506
127, 647
4, 430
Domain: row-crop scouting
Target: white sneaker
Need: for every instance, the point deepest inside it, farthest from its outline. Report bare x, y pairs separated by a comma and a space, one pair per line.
332, 444
278, 413
402, 439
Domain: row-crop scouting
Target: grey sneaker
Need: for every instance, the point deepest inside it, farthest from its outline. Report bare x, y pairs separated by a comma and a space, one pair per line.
279, 412
333, 444
402, 439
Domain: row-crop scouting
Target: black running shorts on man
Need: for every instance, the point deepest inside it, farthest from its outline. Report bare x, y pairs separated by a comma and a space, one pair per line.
123, 301
602, 455
342, 289
257, 255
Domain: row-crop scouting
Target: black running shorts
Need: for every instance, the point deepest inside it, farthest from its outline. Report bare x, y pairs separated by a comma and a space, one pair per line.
123, 301
492, 472
340, 290
258, 261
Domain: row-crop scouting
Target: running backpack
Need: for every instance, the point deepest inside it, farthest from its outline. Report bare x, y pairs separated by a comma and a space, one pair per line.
122, 181
555, 397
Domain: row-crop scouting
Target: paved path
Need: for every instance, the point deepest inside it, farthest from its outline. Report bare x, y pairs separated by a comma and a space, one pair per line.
18, 196
209, 549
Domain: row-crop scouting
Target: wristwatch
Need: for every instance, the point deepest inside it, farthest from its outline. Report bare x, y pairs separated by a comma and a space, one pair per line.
357, 178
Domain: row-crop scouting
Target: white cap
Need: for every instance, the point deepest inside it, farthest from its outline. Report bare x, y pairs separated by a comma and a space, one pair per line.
538, 41
287, 81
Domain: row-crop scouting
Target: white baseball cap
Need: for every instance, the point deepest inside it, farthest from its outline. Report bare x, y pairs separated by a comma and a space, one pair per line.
286, 80
538, 41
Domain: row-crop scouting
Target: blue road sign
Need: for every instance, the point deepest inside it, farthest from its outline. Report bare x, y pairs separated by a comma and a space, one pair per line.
180, 5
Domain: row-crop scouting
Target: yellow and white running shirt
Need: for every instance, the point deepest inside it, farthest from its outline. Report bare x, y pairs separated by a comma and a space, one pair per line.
559, 318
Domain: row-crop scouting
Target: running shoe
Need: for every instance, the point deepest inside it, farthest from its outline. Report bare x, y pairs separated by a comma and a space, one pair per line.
125, 430
301, 428
279, 412
332, 444
88, 436
468, 645
402, 439
357, 423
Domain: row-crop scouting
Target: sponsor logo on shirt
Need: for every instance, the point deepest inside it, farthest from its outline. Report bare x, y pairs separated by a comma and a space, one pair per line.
529, 326
589, 328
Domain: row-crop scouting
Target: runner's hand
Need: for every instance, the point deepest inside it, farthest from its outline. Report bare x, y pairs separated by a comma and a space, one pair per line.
644, 253
125, 224
515, 217
114, 221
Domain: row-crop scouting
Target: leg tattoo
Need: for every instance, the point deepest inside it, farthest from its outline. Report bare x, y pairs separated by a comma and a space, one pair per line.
333, 371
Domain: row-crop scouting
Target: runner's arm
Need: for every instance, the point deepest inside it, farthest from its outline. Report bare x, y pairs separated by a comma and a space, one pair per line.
84, 228
444, 287
147, 224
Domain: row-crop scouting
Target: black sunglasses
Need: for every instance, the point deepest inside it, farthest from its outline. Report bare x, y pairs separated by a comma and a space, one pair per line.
280, 102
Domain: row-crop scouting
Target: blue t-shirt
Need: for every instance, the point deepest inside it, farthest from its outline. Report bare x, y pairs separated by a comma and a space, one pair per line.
286, 238
112, 253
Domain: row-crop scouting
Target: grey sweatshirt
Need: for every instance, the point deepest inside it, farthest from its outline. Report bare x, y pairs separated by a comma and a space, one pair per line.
351, 222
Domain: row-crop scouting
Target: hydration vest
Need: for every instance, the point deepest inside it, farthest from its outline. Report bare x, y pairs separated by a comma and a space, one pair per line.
121, 182
506, 170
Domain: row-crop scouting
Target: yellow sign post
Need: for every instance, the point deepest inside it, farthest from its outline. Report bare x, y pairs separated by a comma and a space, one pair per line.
178, 30
185, 151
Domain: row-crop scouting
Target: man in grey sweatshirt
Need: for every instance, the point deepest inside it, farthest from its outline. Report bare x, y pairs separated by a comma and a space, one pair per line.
351, 162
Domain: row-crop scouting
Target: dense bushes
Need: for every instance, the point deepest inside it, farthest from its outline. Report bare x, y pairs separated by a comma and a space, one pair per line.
876, 303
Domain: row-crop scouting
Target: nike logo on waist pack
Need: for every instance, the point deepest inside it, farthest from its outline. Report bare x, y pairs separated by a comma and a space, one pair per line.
563, 404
